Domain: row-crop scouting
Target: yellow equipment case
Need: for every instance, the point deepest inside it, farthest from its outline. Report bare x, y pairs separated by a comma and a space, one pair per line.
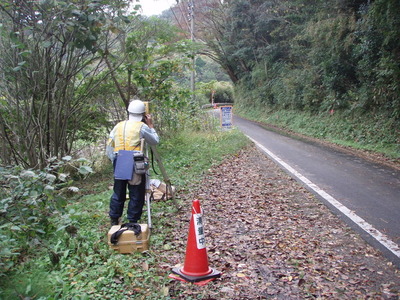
128, 242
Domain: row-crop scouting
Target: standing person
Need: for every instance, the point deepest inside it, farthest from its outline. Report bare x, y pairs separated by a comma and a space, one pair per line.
127, 135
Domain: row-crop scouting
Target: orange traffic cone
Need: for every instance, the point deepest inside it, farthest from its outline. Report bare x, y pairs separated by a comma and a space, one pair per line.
196, 262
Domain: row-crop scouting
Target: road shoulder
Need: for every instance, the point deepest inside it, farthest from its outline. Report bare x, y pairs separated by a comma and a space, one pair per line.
272, 238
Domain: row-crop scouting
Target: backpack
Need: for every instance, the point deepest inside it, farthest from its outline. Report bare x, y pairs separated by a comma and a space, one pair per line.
159, 190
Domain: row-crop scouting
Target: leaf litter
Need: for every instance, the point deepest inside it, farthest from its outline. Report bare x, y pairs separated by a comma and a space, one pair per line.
272, 239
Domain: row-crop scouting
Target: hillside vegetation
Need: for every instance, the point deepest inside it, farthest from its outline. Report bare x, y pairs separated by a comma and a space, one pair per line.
308, 60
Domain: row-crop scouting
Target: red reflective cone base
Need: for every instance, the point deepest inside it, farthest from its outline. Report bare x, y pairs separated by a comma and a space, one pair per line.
196, 262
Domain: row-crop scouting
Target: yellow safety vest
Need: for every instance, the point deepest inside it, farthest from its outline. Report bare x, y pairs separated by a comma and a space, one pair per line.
127, 136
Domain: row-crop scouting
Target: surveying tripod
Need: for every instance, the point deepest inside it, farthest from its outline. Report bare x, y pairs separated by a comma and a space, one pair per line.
166, 179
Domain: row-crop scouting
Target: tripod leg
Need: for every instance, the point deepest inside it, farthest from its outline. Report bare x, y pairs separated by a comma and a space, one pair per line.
164, 174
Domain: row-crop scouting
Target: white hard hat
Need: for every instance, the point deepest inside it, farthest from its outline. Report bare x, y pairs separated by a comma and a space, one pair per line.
136, 107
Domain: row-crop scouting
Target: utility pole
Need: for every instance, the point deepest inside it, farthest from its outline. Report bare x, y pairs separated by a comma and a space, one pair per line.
191, 19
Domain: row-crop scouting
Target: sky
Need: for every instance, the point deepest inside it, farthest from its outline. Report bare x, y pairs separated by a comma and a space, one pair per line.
155, 7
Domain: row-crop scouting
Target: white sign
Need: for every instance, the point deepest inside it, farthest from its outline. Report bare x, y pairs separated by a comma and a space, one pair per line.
198, 225
226, 116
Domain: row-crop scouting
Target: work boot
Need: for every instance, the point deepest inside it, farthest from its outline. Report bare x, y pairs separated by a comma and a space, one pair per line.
114, 222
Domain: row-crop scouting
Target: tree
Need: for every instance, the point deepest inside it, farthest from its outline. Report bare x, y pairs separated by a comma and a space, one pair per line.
378, 55
210, 17
147, 64
48, 52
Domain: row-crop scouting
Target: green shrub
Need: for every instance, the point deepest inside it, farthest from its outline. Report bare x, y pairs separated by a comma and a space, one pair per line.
33, 204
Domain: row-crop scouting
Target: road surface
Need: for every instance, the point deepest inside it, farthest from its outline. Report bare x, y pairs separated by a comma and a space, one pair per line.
364, 194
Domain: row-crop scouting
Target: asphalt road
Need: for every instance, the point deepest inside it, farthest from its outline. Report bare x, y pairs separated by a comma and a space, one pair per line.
369, 190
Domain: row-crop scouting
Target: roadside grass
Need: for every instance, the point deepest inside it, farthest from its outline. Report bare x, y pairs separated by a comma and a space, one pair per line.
189, 155
82, 266
370, 132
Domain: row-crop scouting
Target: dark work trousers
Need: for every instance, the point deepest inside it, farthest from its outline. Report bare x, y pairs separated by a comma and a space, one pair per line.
136, 199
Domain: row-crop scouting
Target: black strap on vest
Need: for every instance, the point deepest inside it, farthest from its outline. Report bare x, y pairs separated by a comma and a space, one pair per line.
124, 227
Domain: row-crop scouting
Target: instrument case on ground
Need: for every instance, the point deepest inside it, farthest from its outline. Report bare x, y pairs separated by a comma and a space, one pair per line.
128, 242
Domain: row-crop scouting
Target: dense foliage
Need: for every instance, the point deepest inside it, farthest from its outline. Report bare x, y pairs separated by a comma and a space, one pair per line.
34, 208
311, 55
48, 59
69, 69
149, 64
215, 92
